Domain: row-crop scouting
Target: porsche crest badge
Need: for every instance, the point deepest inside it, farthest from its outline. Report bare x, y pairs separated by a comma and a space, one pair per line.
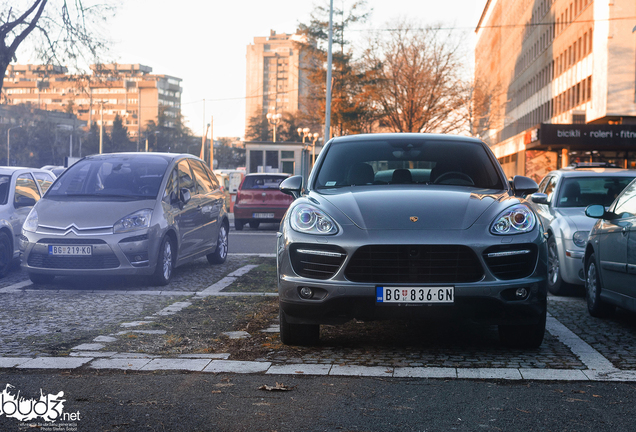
414, 218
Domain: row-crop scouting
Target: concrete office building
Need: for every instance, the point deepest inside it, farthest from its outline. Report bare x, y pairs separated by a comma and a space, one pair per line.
556, 83
130, 90
275, 79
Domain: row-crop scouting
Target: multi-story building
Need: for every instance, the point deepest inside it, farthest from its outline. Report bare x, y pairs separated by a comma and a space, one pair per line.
555, 83
276, 78
130, 91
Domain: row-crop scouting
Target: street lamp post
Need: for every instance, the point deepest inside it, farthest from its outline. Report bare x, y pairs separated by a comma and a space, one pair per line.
9, 143
303, 132
314, 138
274, 119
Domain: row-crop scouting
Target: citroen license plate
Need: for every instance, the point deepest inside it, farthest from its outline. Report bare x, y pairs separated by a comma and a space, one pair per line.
68, 250
441, 294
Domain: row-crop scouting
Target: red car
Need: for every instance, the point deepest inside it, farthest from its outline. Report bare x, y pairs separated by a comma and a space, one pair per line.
259, 200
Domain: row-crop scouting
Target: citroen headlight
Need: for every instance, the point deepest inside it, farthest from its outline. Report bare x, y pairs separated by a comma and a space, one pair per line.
135, 221
307, 219
580, 238
515, 220
31, 222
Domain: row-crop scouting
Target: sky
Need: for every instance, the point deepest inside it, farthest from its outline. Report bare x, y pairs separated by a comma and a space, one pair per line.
204, 43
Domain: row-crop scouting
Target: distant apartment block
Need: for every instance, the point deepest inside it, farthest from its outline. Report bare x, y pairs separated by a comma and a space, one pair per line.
276, 79
556, 83
128, 90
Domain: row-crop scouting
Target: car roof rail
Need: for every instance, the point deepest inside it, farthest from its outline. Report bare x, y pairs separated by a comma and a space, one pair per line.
576, 165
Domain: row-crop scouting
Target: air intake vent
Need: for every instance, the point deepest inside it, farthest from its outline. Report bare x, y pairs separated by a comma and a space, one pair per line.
511, 261
316, 261
414, 264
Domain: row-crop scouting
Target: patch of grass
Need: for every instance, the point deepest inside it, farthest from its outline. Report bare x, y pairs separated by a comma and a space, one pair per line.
261, 279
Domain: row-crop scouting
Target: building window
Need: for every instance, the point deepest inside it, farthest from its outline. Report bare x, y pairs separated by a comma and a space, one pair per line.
271, 159
256, 160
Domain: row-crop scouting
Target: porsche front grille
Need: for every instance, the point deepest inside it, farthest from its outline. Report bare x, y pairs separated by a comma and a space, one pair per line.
414, 264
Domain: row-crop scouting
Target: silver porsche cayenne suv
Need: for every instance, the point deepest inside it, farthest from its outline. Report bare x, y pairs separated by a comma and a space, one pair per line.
126, 214
411, 226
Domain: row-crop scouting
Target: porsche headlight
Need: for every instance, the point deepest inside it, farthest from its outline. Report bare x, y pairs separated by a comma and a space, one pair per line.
515, 220
307, 219
135, 221
31, 222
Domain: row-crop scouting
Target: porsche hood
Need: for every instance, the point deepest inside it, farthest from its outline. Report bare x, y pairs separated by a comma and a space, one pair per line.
414, 208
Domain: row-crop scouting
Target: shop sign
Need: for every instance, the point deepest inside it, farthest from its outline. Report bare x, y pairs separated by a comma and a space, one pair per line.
588, 134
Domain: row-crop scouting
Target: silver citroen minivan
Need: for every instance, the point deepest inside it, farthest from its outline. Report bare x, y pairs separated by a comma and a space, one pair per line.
126, 214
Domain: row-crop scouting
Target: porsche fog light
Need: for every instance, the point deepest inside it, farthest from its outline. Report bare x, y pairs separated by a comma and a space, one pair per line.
306, 293
521, 293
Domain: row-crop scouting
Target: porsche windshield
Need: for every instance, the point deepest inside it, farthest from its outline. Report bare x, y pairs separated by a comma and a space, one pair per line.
419, 162
117, 176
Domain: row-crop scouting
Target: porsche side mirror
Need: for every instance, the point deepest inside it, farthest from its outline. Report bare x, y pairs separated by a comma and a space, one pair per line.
292, 186
523, 186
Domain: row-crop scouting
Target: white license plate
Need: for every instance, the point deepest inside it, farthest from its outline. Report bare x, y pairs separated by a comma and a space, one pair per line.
70, 250
442, 294
263, 215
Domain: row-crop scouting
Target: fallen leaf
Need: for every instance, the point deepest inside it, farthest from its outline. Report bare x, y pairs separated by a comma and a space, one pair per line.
277, 387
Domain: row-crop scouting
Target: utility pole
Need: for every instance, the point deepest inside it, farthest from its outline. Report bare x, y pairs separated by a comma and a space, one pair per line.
205, 135
211, 142
329, 62
101, 127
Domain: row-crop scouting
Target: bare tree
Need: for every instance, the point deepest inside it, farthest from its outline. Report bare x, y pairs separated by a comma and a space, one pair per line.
60, 31
486, 108
416, 79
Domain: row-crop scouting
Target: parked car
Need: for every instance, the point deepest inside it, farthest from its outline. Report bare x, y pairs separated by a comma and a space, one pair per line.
560, 203
20, 189
55, 169
610, 255
259, 200
126, 214
411, 226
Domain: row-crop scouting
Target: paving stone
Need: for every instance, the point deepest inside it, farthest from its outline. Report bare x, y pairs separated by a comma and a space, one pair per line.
176, 364
219, 366
54, 363
120, 363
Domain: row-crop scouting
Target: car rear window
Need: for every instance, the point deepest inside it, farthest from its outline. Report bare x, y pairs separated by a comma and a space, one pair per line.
262, 182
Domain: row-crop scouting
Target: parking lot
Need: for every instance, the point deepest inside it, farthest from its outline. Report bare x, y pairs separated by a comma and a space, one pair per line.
94, 322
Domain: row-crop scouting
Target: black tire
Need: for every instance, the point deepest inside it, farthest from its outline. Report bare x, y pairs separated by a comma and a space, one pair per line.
41, 279
6, 254
165, 263
238, 225
222, 245
298, 334
595, 306
528, 336
556, 285
254, 224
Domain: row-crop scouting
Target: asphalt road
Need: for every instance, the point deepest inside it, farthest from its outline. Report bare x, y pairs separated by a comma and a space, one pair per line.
253, 241
137, 402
